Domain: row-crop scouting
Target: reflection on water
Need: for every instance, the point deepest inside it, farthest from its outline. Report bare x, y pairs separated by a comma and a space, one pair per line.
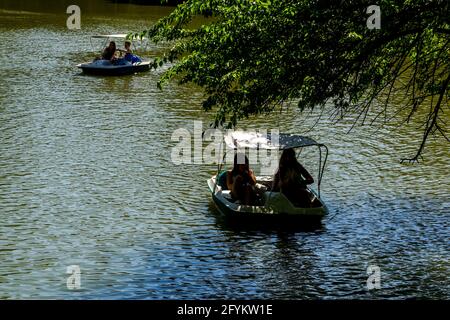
86, 179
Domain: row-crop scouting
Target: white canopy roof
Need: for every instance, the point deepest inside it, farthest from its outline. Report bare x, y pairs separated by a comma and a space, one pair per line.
112, 36
106, 36
256, 140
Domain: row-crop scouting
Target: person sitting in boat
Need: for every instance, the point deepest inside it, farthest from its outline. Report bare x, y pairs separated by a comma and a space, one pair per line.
129, 56
292, 179
241, 180
109, 52
128, 53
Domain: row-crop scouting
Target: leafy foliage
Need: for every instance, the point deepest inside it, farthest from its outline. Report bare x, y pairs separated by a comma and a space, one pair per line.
251, 56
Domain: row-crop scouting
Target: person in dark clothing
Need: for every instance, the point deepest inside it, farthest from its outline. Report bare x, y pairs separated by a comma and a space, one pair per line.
292, 179
241, 180
109, 51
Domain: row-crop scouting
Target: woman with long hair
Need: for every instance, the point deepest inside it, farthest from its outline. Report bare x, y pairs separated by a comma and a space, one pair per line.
109, 51
241, 180
292, 179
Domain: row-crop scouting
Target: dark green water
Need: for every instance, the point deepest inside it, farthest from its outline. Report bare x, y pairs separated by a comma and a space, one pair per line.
86, 179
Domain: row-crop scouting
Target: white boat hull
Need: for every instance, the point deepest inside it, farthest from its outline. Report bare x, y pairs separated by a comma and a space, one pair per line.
276, 205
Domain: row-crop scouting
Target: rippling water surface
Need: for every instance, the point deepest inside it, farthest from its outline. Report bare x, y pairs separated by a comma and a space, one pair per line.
86, 179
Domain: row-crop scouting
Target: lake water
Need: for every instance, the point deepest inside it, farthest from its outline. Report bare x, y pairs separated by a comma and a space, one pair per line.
86, 179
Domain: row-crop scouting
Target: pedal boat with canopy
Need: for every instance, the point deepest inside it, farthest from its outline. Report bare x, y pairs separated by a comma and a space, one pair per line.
273, 205
121, 66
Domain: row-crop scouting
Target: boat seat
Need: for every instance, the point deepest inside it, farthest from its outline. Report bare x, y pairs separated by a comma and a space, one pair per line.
222, 180
227, 195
